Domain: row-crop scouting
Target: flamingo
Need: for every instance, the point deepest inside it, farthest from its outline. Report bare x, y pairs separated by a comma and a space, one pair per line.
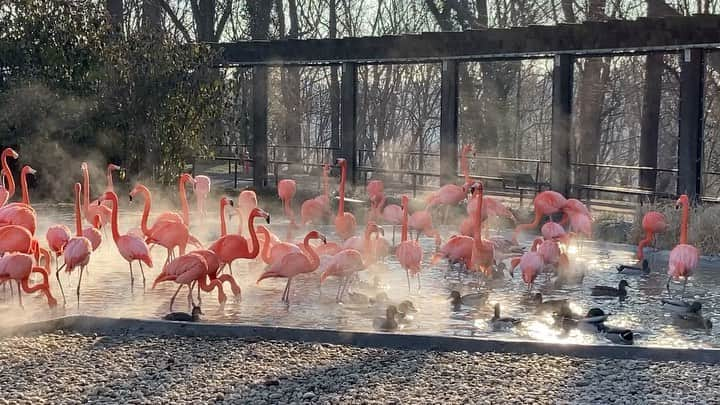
184, 215
110, 187
546, 203
363, 244
531, 264
458, 249
452, 194
273, 249
246, 202
16, 238
376, 195
96, 208
344, 221
653, 223
131, 247
187, 270
344, 264
294, 263
201, 190
393, 214
213, 264
224, 202
4, 193
286, 192
57, 237
315, 209
421, 222
93, 234
22, 213
409, 252
168, 234
684, 257
18, 267
233, 246
78, 249
483, 252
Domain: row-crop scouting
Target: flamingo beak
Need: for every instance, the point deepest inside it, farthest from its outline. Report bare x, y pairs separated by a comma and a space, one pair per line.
15, 155
32, 171
323, 238
267, 218
130, 196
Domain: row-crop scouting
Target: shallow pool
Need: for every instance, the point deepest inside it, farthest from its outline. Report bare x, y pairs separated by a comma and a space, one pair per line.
106, 291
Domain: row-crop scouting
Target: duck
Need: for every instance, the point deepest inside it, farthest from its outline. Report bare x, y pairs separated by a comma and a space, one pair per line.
405, 308
592, 321
357, 298
498, 322
618, 335
469, 300
681, 307
549, 305
643, 270
605, 291
692, 321
184, 316
389, 322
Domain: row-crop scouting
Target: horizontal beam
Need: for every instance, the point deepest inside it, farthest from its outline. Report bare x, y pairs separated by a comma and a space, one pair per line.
644, 35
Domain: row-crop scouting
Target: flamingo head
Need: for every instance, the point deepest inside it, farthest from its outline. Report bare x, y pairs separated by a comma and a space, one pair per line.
137, 189
257, 212
186, 177
682, 201
476, 187
373, 227
316, 235
84, 166
342, 162
113, 167
12, 153
29, 170
78, 187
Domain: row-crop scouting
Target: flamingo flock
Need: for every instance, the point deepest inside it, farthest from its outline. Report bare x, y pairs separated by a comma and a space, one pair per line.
351, 249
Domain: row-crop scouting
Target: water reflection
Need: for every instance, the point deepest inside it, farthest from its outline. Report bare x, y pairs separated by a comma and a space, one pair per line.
106, 291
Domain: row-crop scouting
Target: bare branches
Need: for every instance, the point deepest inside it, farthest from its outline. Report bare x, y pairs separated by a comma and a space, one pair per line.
176, 21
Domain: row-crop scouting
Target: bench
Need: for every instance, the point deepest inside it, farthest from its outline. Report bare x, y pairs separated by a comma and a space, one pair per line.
640, 192
520, 182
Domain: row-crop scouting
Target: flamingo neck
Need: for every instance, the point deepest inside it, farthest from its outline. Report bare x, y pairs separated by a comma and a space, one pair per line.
8, 174
266, 244
341, 203
78, 218
183, 202
642, 244
478, 220
115, 231
223, 225
24, 186
310, 252
404, 221
39, 286
534, 224
535, 244
86, 189
253, 236
366, 238
684, 223
146, 210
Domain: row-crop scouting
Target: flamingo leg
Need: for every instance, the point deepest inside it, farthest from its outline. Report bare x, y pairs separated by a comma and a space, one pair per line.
190, 289
199, 299
684, 285
20, 295
78, 285
393, 228
418, 278
57, 275
142, 271
407, 274
132, 278
667, 285
172, 300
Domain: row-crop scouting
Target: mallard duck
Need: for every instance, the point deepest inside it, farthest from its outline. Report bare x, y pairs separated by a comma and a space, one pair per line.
605, 291
498, 322
469, 300
405, 308
548, 305
618, 335
681, 307
362, 299
389, 322
692, 321
643, 270
184, 316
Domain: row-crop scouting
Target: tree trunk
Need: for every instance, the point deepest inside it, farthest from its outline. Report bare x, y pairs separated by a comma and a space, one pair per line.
334, 86
115, 14
151, 17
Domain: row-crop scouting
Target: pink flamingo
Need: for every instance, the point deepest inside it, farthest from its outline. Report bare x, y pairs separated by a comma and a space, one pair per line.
272, 253
131, 247
531, 264
16, 238
376, 195
344, 265
96, 208
78, 249
458, 249
363, 244
213, 264
110, 187
18, 267
93, 234
4, 193
22, 213
233, 246
483, 253
246, 202
57, 237
202, 189
8, 152
409, 252
294, 263
224, 202
168, 234
553, 231
421, 222
546, 203
286, 192
653, 223
184, 215
187, 270
315, 209
393, 214
684, 257
344, 221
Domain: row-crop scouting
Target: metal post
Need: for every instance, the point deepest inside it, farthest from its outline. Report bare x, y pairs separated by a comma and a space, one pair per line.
650, 121
259, 126
449, 122
690, 145
561, 114
349, 119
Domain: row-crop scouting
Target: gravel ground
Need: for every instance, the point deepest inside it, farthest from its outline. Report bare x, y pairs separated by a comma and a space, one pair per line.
72, 368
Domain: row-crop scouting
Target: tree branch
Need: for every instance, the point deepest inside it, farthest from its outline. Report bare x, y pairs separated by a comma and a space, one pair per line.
223, 20
174, 18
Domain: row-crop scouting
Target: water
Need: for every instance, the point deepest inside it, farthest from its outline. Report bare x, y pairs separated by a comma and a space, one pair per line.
106, 291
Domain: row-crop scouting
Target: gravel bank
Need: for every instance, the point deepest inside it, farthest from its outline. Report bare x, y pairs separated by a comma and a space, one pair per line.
72, 368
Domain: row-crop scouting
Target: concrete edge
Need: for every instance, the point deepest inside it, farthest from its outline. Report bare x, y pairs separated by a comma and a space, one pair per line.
120, 326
